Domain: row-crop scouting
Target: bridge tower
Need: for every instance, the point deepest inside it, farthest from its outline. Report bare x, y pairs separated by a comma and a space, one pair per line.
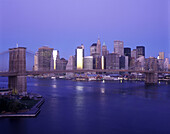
151, 78
17, 64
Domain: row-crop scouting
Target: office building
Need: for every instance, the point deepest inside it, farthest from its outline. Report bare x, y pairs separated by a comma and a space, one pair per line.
71, 63
36, 61
93, 49
166, 64
112, 61
104, 50
133, 53
119, 47
127, 52
151, 64
99, 47
97, 64
45, 58
88, 62
55, 56
161, 55
79, 57
140, 51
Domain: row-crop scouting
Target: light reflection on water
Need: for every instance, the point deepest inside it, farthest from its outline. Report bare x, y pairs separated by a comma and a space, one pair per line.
95, 107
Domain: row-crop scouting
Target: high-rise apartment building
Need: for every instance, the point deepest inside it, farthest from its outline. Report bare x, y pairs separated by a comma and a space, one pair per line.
140, 51
119, 47
79, 57
45, 58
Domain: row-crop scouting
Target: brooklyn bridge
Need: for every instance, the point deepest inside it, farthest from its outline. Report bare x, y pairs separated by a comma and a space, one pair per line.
19, 64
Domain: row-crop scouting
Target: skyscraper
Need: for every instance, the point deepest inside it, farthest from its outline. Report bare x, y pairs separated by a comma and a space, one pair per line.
112, 61
36, 61
79, 57
119, 47
71, 63
88, 62
161, 55
151, 64
99, 47
104, 50
140, 51
55, 56
127, 52
133, 54
45, 58
93, 49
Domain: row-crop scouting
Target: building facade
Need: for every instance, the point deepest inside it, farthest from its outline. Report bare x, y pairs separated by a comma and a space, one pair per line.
79, 57
45, 58
140, 51
104, 50
88, 62
119, 47
112, 61
99, 47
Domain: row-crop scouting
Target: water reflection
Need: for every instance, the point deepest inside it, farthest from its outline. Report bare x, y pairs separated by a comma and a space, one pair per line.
102, 90
79, 88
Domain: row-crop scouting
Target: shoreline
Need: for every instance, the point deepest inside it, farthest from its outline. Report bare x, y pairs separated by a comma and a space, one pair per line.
33, 112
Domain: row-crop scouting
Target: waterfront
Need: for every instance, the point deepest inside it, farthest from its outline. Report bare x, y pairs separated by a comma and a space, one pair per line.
94, 107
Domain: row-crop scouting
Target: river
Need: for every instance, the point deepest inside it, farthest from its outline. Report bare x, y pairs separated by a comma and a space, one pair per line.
95, 107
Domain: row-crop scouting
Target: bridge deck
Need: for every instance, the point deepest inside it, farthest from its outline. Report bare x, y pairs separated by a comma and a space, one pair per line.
6, 74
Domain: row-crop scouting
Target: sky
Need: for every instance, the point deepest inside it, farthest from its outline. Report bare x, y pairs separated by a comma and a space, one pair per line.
66, 24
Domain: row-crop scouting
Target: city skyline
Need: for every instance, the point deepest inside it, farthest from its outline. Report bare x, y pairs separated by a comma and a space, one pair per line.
52, 26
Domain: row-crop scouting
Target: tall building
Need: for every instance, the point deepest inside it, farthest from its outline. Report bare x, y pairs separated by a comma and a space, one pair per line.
55, 56
71, 63
140, 63
119, 47
151, 64
122, 62
63, 64
93, 49
97, 64
140, 51
88, 62
99, 47
160, 64
45, 58
166, 64
79, 57
104, 50
36, 61
112, 61
103, 62
133, 54
127, 52
70, 66
161, 55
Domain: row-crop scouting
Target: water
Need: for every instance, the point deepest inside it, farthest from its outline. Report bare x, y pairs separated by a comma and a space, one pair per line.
94, 108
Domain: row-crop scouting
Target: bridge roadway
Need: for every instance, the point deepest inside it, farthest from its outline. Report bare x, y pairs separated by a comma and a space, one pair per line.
6, 74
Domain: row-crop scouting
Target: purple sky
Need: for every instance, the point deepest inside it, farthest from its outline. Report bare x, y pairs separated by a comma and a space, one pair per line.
65, 24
